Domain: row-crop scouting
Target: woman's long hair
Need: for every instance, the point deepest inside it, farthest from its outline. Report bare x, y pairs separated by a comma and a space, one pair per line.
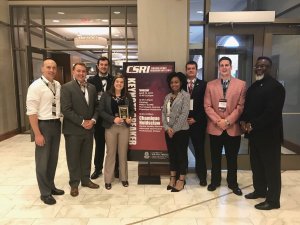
112, 90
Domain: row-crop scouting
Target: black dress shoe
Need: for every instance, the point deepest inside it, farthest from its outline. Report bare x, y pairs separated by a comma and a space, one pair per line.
49, 200
254, 195
96, 174
212, 187
203, 183
125, 183
56, 191
267, 206
237, 191
107, 186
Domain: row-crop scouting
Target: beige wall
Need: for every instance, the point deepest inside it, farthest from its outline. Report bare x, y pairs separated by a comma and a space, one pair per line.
8, 112
163, 31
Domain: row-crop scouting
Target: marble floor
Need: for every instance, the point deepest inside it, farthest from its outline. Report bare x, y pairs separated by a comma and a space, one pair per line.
137, 204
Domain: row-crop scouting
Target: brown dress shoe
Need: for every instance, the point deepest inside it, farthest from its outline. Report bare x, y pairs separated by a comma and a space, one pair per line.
90, 184
74, 191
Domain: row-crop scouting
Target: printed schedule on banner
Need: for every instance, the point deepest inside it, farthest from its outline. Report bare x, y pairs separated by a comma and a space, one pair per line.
146, 82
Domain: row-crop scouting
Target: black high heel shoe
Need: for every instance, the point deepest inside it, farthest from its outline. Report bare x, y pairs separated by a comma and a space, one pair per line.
176, 190
169, 187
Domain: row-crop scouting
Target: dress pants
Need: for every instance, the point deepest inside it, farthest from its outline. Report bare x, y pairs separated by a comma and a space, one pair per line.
197, 135
46, 156
117, 139
232, 146
79, 150
99, 136
177, 149
265, 156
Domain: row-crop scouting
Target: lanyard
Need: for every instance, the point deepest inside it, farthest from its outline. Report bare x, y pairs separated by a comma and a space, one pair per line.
47, 84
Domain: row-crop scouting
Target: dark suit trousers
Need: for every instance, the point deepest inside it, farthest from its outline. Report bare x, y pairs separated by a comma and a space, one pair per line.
197, 135
46, 156
99, 136
265, 164
177, 149
79, 150
232, 146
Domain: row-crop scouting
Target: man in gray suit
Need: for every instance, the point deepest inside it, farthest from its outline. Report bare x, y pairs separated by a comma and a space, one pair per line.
78, 104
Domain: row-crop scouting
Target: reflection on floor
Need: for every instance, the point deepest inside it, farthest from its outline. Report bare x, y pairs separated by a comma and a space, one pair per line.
137, 204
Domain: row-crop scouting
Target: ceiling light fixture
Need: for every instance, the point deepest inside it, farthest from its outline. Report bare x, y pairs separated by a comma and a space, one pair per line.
55, 21
61, 13
117, 12
115, 55
91, 41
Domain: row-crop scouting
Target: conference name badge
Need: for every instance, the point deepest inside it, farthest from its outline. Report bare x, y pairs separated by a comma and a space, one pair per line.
222, 104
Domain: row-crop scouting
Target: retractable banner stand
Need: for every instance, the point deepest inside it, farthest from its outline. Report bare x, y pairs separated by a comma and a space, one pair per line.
146, 82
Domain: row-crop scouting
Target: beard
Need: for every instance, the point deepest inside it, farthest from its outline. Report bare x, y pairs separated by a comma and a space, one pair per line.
259, 77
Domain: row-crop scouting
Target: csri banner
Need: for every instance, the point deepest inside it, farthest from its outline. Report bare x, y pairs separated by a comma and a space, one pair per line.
147, 84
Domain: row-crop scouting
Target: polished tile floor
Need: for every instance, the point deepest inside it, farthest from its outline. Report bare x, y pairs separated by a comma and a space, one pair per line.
137, 204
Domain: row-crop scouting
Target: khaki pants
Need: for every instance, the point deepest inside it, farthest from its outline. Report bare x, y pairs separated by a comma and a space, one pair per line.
117, 139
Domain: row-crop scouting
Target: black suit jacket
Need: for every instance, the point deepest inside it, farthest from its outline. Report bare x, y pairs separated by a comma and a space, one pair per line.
197, 95
75, 108
263, 108
96, 81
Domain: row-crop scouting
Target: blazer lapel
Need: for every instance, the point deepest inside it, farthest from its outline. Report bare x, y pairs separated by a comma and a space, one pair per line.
79, 92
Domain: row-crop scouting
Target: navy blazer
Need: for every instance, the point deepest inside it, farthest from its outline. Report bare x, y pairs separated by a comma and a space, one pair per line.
198, 112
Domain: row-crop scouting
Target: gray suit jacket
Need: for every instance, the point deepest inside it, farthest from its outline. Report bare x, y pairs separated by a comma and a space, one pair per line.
75, 108
105, 111
179, 112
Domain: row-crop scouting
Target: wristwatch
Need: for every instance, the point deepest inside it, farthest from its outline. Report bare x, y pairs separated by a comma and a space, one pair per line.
227, 122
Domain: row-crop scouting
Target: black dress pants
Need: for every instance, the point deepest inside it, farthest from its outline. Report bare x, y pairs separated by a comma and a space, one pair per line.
197, 135
265, 153
177, 149
232, 146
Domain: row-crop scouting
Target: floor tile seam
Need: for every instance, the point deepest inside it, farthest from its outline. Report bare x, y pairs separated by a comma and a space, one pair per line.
187, 207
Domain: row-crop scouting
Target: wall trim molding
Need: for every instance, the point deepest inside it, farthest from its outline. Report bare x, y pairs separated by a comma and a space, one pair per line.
9, 134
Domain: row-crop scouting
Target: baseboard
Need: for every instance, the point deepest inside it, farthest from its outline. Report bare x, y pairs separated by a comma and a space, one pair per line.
9, 134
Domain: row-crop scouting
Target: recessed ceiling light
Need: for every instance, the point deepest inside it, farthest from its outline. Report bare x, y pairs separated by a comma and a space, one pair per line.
199, 11
105, 20
61, 13
116, 35
55, 21
117, 12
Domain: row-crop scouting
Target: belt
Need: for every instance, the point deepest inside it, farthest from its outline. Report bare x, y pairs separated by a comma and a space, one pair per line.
50, 121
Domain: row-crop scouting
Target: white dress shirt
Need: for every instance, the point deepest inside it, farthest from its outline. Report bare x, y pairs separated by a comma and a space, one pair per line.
40, 98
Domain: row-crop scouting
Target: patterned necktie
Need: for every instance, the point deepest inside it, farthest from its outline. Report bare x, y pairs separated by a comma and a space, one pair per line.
191, 86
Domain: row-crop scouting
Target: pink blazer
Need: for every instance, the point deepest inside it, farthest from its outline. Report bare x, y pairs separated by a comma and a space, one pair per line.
235, 96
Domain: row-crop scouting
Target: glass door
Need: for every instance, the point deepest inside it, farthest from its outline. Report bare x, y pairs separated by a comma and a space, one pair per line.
241, 44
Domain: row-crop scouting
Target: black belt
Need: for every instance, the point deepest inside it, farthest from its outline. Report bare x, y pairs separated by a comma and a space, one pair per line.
50, 121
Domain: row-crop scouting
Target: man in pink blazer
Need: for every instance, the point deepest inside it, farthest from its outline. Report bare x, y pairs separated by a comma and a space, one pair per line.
224, 103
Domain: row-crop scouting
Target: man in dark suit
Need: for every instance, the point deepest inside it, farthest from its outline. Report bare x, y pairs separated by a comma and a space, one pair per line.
262, 122
197, 118
78, 104
102, 81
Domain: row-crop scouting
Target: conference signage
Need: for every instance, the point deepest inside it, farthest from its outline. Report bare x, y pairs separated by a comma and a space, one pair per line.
146, 82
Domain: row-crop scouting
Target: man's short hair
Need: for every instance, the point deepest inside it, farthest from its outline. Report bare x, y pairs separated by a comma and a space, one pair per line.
78, 64
103, 58
191, 63
225, 58
265, 58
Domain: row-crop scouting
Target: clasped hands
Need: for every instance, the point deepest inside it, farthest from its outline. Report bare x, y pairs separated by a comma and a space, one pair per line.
222, 124
88, 124
119, 120
246, 127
